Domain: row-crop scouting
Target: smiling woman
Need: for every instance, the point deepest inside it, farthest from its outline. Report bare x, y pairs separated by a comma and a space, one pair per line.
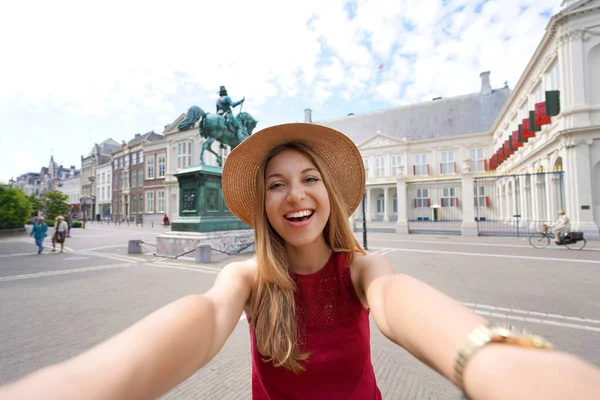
307, 296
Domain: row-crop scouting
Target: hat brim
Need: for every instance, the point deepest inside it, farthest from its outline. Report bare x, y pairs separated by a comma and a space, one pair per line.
339, 153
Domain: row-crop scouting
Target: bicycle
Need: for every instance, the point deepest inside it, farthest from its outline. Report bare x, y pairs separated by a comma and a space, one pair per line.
572, 240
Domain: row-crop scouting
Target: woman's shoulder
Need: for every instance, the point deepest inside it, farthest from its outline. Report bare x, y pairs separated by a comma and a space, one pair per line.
244, 270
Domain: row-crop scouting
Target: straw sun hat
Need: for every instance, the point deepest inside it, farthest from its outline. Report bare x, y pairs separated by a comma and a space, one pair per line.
338, 152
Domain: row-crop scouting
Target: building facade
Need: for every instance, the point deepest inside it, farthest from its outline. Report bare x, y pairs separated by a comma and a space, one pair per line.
128, 177
100, 154
498, 161
71, 187
104, 190
183, 150
155, 172
28, 183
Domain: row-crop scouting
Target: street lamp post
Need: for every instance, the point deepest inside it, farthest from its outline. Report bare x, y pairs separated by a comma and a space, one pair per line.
84, 200
92, 179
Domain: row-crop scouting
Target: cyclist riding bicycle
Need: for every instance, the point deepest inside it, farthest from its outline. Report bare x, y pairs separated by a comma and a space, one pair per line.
561, 227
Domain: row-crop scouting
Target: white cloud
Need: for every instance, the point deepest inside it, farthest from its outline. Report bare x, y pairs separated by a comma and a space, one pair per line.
134, 65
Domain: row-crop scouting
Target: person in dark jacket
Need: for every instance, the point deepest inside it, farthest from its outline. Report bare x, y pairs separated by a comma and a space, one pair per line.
40, 227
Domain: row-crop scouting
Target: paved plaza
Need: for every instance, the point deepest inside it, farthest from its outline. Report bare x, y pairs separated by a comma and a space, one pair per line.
54, 306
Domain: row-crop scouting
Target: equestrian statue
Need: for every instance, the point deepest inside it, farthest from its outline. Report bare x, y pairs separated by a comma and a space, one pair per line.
224, 127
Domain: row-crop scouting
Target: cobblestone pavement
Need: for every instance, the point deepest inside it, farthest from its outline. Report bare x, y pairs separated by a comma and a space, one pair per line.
54, 306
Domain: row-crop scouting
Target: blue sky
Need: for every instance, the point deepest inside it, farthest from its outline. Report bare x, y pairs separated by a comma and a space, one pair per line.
74, 73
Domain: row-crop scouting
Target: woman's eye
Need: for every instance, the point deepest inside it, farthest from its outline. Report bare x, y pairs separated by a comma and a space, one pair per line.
275, 186
312, 179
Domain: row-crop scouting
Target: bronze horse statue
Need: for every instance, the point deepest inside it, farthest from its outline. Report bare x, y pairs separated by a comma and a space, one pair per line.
214, 127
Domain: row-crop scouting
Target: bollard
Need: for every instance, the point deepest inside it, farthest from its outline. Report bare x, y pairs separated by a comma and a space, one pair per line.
203, 253
134, 247
152, 224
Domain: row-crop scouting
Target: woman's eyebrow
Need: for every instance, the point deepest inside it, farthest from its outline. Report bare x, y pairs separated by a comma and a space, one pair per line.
303, 172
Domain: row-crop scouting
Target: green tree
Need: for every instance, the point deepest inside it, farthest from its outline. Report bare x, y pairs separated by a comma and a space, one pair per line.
55, 203
14, 208
36, 204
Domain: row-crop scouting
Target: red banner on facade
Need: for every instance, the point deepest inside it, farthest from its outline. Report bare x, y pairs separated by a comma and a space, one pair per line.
540, 115
516, 143
525, 132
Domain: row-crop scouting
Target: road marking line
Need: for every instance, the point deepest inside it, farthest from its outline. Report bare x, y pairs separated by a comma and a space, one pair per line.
495, 255
202, 266
17, 255
104, 247
469, 244
61, 272
185, 268
532, 313
111, 257
539, 321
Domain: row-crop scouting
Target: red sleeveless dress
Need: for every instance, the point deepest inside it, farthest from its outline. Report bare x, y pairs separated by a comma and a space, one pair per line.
334, 328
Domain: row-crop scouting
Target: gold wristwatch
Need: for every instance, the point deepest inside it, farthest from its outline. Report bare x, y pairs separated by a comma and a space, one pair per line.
484, 335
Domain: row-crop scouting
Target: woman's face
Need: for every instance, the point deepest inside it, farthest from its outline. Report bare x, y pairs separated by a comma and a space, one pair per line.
296, 199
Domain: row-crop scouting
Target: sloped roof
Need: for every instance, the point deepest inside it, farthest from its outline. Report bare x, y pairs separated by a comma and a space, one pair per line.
460, 115
150, 136
106, 147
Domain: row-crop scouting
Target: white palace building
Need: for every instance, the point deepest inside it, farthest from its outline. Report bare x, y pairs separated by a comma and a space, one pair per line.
496, 162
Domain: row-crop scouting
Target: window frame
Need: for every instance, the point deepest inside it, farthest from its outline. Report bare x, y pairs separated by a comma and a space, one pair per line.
150, 202
448, 166
420, 165
150, 167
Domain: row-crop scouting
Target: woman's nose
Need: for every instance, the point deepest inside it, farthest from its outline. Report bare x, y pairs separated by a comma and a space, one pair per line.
295, 193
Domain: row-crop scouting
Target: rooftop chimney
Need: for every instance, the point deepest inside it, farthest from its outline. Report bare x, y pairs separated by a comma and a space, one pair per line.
308, 115
486, 88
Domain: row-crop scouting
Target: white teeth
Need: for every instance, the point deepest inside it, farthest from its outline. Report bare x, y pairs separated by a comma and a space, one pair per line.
299, 214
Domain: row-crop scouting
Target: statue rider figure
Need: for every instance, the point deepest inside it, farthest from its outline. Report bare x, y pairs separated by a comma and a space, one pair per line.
224, 108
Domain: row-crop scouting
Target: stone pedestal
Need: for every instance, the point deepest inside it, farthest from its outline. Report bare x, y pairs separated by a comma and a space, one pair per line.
201, 204
176, 243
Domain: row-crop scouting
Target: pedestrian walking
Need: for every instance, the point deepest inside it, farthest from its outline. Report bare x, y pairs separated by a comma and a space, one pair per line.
307, 296
165, 221
40, 227
60, 232
69, 221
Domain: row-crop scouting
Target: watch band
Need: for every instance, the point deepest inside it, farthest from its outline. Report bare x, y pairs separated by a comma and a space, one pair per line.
483, 335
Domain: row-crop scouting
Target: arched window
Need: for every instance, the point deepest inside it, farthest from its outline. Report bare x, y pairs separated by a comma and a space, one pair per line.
593, 68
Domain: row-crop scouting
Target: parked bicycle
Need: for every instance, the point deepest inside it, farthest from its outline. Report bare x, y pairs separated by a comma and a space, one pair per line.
572, 240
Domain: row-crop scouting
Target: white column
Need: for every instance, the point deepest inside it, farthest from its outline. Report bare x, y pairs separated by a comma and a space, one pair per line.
535, 210
402, 224
582, 211
386, 204
550, 196
369, 205
469, 226
522, 200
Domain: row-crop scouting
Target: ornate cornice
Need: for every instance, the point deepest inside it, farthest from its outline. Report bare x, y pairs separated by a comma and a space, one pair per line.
579, 34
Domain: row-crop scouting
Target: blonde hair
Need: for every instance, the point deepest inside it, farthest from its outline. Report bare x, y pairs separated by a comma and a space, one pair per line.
273, 304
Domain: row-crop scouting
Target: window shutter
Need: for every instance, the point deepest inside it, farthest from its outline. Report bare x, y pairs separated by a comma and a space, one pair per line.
552, 103
541, 118
441, 169
457, 202
487, 201
415, 203
427, 169
525, 129
533, 127
516, 143
454, 167
428, 202
414, 170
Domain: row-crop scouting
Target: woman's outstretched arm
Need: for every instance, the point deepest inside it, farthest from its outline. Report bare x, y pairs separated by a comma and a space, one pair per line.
433, 327
152, 356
